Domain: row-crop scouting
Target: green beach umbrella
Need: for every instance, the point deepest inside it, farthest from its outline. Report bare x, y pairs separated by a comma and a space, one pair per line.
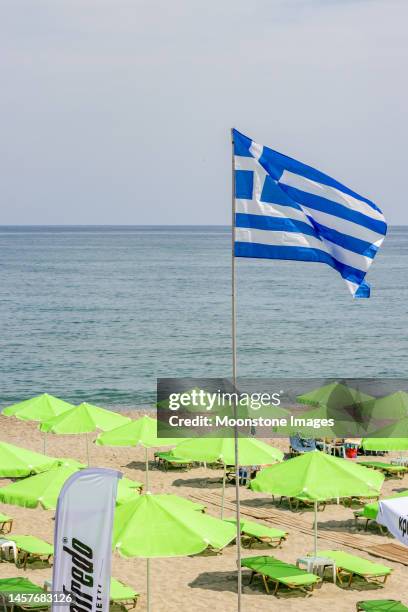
251, 452
336, 395
84, 419
317, 476
393, 437
17, 462
394, 406
142, 431
42, 490
152, 526
40, 408
39, 490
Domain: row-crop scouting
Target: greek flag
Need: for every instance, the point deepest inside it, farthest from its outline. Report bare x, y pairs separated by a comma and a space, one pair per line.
288, 210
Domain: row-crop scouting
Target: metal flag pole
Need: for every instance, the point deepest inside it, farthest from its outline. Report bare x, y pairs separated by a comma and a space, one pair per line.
234, 380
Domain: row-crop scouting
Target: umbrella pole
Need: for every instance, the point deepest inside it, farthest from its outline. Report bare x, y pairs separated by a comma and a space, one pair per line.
148, 583
315, 529
223, 491
234, 376
147, 472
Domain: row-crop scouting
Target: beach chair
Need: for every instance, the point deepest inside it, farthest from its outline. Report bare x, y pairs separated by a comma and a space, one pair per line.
388, 469
30, 549
122, 595
381, 605
280, 574
295, 503
350, 566
6, 523
166, 459
360, 516
299, 445
252, 532
11, 588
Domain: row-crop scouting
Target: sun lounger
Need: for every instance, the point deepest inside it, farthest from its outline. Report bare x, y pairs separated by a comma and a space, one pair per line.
6, 523
349, 566
361, 517
280, 573
166, 460
381, 605
252, 532
123, 595
390, 470
297, 502
20, 586
31, 549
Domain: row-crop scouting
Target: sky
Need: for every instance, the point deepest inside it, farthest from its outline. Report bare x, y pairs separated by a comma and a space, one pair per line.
119, 111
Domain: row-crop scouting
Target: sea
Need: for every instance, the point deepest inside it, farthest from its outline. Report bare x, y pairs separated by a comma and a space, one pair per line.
97, 314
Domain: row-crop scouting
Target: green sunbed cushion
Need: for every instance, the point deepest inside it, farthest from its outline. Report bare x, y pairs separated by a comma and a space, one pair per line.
23, 586
279, 570
258, 530
356, 565
382, 605
119, 591
168, 456
32, 545
371, 510
384, 466
4, 518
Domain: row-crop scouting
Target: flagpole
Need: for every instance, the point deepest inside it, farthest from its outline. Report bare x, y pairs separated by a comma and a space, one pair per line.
234, 378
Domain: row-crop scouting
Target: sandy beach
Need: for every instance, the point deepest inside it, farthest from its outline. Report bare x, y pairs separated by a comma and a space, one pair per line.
202, 582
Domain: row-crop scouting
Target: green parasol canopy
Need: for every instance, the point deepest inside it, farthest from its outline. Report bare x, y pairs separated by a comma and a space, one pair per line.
19, 586
394, 406
40, 408
389, 438
142, 431
385, 444
345, 424
84, 418
166, 526
43, 489
316, 476
40, 490
16, 462
156, 526
371, 510
251, 451
335, 395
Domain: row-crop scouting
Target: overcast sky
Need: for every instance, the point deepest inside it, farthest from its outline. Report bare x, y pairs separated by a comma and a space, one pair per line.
118, 111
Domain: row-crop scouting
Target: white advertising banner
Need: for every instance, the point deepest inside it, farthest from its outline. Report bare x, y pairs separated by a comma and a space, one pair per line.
393, 513
83, 540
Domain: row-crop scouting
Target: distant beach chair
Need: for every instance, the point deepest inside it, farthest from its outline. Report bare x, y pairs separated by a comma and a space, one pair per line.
30, 549
389, 470
123, 595
299, 445
280, 574
295, 503
6, 523
381, 605
361, 518
20, 586
252, 532
166, 460
350, 566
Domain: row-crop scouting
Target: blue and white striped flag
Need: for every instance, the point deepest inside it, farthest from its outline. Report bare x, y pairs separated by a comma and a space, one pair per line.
287, 210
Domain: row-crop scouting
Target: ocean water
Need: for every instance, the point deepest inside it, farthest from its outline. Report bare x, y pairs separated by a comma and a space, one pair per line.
98, 313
